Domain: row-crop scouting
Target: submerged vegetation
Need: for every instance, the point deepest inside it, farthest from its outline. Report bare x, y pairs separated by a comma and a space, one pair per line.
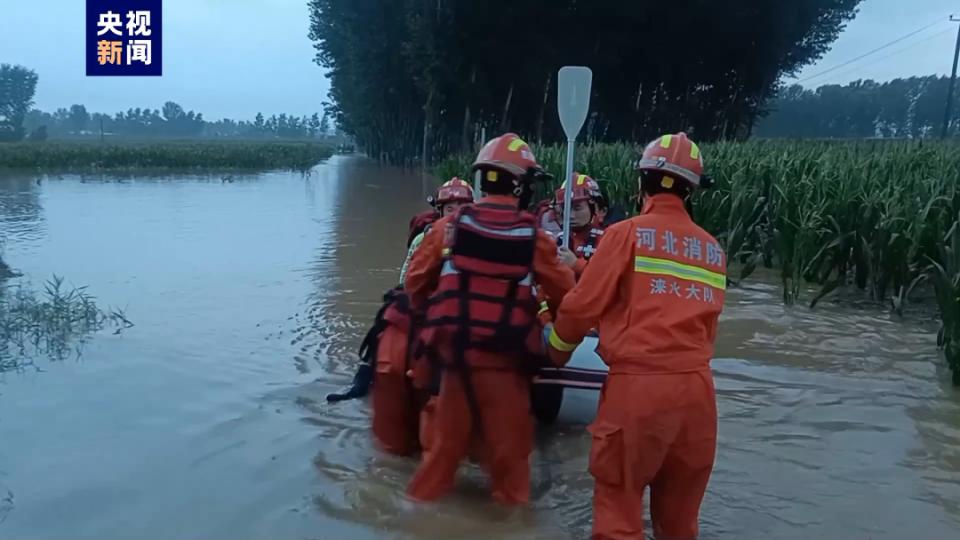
6, 503
187, 154
5, 270
54, 323
880, 216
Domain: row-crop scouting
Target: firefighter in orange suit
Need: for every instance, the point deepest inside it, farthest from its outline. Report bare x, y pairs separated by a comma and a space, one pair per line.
449, 197
473, 275
655, 290
396, 407
586, 229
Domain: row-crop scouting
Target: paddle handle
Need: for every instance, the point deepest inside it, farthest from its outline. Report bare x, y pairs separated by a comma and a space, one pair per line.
568, 193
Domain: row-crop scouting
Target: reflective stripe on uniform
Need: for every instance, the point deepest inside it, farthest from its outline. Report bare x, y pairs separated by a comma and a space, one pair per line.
560, 344
520, 231
448, 269
654, 265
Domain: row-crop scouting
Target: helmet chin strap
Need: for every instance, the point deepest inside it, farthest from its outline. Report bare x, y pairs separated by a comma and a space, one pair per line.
524, 192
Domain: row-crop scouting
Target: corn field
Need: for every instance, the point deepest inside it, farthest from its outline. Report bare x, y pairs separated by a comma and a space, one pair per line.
881, 216
164, 155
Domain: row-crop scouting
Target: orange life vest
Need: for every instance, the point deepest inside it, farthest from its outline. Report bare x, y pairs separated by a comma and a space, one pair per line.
485, 299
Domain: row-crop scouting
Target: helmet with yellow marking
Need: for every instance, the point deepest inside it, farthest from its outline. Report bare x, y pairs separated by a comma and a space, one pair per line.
453, 190
506, 165
584, 189
676, 157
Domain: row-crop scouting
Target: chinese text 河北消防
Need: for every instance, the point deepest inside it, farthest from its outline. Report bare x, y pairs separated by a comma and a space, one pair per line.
714, 254
692, 248
670, 242
647, 238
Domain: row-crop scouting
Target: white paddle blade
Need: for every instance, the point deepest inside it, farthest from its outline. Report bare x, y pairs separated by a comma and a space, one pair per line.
573, 98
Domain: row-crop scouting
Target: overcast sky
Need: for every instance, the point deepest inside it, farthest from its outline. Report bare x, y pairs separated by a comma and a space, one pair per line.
233, 58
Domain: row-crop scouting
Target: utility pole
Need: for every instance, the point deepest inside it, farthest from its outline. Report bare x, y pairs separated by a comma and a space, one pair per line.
953, 80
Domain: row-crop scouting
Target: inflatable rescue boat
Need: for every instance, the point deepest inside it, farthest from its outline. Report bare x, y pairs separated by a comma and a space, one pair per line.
570, 394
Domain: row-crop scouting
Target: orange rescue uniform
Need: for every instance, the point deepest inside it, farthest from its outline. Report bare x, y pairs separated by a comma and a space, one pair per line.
502, 394
395, 404
655, 290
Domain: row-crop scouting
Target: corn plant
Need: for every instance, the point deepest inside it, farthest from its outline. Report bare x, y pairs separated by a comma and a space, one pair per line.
872, 215
945, 275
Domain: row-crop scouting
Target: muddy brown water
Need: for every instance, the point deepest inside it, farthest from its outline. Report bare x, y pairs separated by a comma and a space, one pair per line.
207, 420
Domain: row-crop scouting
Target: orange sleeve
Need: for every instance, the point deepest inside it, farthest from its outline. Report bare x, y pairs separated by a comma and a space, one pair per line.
597, 288
543, 309
579, 267
551, 275
424, 271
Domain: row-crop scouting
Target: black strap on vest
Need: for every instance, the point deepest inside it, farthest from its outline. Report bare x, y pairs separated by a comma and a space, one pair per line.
591, 242
589, 247
506, 337
460, 344
364, 377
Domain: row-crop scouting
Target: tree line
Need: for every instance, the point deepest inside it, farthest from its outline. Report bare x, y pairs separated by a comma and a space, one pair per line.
901, 108
420, 78
19, 120
17, 87
170, 121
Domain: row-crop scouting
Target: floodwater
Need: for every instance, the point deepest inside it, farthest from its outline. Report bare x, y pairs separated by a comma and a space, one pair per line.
207, 419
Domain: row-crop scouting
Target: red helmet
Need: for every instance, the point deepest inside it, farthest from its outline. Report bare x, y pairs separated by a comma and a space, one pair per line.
507, 153
674, 155
453, 190
584, 189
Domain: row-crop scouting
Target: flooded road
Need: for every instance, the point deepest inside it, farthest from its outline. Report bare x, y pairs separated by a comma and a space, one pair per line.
250, 295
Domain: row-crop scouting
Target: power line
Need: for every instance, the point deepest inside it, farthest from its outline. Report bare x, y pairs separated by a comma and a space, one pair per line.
878, 49
885, 57
953, 80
